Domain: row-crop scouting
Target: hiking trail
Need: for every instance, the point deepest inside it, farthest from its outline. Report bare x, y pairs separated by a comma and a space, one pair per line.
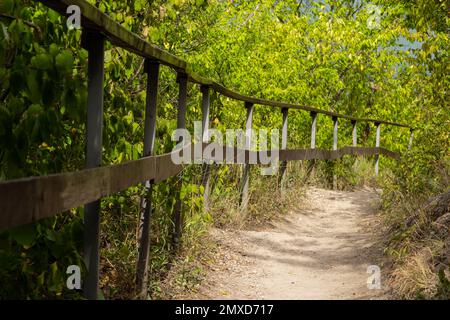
319, 251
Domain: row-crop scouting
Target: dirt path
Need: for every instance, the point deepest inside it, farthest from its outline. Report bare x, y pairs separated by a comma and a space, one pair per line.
319, 252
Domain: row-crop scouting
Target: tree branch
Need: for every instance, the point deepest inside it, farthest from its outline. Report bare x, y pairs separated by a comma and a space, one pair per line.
28, 23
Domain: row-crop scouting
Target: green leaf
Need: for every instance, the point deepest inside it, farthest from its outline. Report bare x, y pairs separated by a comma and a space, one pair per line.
53, 49
64, 61
42, 61
33, 87
137, 5
50, 235
40, 279
34, 110
53, 16
24, 235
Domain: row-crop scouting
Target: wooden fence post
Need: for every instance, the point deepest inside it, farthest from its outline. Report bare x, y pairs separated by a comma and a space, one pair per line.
152, 70
377, 145
354, 133
246, 173
411, 136
181, 124
284, 135
94, 43
335, 146
205, 127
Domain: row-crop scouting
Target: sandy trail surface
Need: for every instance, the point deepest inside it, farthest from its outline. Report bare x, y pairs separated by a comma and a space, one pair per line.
321, 251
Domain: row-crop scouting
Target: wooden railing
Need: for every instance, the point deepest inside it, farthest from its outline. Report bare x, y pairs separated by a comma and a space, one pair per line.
30, 199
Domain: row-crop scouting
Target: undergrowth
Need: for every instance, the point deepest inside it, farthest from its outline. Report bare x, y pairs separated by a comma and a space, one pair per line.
418, 216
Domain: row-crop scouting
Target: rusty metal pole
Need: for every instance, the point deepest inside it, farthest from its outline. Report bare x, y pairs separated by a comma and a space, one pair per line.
94, 43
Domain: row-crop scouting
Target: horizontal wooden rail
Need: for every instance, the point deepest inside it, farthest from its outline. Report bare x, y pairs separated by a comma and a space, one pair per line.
93, 18
241, 156
30, 199
48, 195
318, 154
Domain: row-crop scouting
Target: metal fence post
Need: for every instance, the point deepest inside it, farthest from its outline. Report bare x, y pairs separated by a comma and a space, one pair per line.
152, 70
94, 42
354, 133
205, 127
311, 163
181, 124
246, 173
335, 133
313, 129
377, 145
284, 135
411, 136
335, 146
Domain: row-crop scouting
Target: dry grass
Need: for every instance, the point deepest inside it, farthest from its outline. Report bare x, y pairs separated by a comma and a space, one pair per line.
419, 248
266, 199
186, 272
415, 278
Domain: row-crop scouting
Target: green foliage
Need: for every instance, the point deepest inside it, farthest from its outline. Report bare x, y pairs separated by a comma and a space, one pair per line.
34, 259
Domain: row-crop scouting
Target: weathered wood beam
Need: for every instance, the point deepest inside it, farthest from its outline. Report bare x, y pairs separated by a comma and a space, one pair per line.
49, 195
